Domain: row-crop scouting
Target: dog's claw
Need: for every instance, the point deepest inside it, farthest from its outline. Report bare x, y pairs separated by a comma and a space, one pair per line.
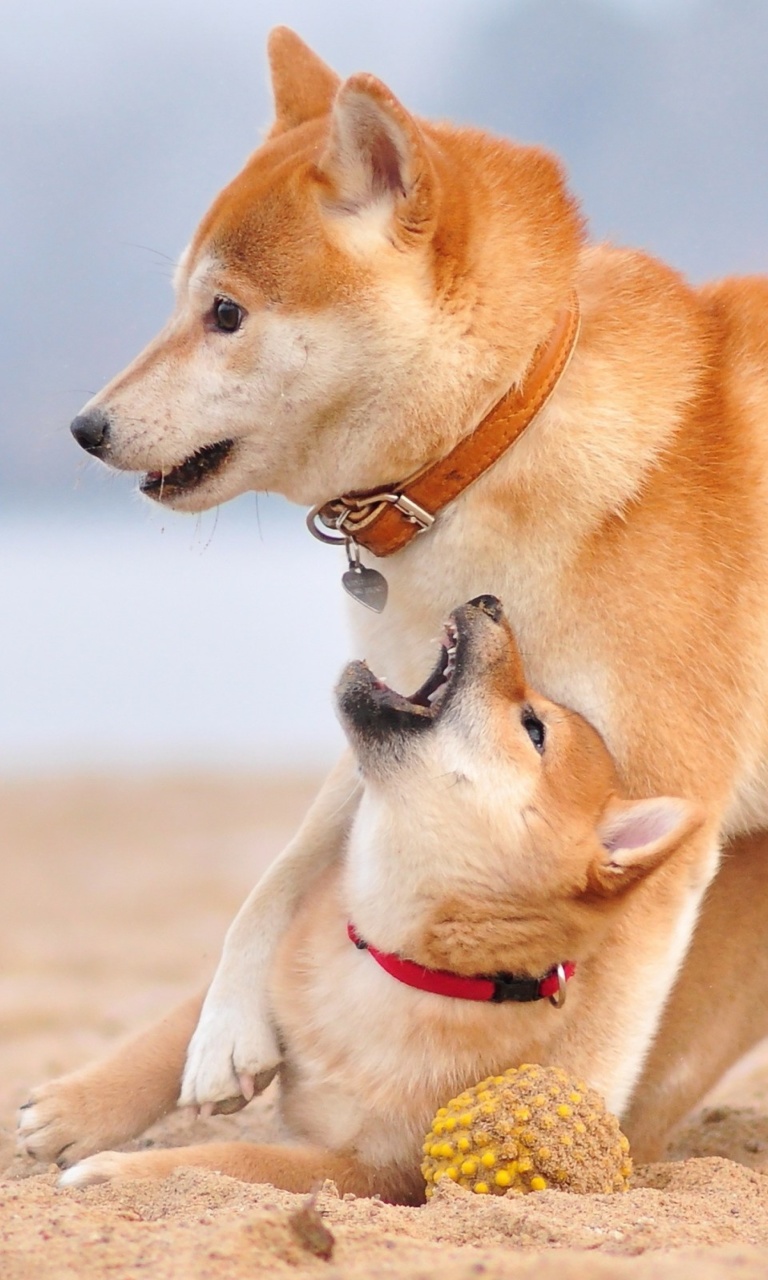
247, 1085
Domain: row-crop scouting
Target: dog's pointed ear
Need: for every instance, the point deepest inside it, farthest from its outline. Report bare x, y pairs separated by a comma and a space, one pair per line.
302, 85
376, 160
636, 836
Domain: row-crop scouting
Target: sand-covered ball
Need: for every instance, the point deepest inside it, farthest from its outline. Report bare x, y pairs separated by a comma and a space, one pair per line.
530, 1129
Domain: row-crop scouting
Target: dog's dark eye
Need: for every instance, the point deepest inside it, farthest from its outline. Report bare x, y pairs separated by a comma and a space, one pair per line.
535, 729
227, 316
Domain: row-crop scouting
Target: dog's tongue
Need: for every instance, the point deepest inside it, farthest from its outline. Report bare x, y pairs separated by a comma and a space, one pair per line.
154, 476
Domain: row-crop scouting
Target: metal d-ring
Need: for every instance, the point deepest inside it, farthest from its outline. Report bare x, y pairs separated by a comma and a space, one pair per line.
558, 1000
314, 528
363, 511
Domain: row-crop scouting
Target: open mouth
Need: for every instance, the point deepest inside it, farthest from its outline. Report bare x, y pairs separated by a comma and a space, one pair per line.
198, 467
476, 642
429, 697
367, 703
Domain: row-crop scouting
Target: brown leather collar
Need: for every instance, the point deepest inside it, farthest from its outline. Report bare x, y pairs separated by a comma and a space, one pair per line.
385, 520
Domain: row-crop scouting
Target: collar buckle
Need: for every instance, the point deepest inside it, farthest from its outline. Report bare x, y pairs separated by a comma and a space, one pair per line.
520, 990
411, 510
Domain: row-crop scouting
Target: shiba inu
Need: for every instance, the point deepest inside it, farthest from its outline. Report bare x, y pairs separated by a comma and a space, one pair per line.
372, 294
492, 862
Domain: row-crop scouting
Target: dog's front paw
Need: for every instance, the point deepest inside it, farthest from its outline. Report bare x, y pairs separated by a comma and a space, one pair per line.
232, 1055
66, 1121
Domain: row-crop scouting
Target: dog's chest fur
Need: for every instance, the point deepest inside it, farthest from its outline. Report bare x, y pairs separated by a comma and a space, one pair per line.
368, 1060
469, 554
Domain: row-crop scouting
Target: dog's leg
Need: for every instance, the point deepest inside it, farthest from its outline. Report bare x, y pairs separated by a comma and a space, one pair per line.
300, 1169
113, 1099
718, 1008
234, 1049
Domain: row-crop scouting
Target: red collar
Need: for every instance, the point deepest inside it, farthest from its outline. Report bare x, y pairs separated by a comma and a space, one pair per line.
495, 988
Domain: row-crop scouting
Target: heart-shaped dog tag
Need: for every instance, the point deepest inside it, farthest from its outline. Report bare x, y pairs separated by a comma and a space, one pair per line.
367, 586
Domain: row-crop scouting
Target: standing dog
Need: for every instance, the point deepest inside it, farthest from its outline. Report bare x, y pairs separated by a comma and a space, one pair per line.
490, 839
374, 298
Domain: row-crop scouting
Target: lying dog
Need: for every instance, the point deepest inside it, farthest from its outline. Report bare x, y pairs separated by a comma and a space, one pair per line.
381, 308
491, 838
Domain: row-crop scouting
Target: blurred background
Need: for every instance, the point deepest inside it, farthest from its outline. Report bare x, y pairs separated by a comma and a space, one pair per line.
135, 639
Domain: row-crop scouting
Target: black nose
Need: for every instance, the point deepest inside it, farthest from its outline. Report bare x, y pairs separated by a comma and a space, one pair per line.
489, 605
91, 431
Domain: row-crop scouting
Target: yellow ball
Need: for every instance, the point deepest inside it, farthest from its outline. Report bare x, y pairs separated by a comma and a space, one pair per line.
530, 1129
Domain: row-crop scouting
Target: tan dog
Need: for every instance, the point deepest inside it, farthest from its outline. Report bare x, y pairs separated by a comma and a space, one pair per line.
491, 838
365, 293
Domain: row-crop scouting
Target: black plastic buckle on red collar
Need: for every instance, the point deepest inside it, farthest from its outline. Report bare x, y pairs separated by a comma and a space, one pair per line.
521, 990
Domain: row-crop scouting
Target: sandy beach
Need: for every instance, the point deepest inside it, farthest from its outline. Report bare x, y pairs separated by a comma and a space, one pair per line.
116, 896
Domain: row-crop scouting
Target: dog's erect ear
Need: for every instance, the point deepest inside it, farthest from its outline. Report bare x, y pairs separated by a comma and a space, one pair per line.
637, 835
303, 86
376, 159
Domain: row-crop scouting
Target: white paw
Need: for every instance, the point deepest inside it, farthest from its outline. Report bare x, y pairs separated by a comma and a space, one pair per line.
100, 1168
233, 1053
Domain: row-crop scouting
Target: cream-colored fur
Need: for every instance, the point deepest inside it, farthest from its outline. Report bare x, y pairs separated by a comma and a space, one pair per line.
473, 849
394, 278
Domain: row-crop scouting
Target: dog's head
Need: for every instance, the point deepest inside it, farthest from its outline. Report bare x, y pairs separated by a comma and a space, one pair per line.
365, 288
494, 817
